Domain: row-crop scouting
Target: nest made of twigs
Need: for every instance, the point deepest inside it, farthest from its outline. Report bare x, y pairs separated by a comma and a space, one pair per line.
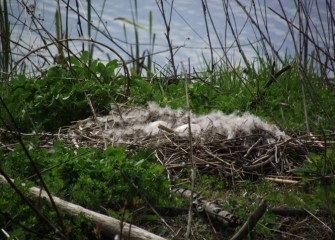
257, 153
256, 148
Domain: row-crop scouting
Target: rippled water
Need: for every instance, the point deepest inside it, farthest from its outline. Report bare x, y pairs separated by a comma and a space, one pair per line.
188, 29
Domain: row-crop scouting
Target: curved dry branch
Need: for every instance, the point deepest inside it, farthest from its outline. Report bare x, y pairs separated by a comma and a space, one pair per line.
124, 64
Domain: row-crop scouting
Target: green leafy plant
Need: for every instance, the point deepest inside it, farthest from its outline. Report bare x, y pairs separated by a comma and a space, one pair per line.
118, 182
60, 98
87, 177
93, 178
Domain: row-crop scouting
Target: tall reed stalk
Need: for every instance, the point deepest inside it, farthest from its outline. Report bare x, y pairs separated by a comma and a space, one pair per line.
5, 52
60, 57
89, 31
152, 38
167, 22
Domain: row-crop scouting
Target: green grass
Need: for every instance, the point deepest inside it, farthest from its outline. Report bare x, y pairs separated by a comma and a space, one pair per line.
36, 103
76, 88
45, 104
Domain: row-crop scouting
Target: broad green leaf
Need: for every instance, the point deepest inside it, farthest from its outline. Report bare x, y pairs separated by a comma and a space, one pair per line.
84, 56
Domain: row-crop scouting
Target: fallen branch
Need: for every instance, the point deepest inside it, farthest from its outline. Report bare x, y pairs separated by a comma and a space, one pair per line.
109, 226
251, 222
211, 208
297, 212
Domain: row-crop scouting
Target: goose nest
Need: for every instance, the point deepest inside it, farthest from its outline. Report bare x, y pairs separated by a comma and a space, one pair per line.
225, 145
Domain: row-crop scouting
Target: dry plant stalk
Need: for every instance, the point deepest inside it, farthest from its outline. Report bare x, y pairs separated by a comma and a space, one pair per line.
189, 219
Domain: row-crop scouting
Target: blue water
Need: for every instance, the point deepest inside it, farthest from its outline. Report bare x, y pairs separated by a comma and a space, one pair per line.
188, 29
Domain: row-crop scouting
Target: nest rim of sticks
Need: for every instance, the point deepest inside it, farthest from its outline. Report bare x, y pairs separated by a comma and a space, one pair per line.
242, 156
256, 154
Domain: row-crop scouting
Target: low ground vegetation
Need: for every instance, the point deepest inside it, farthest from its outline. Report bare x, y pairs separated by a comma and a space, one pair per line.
102, 180
133, 182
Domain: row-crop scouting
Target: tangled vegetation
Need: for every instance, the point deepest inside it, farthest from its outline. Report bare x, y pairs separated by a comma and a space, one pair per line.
128, 183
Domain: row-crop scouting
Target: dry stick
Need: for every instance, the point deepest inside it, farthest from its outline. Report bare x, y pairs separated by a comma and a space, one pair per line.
332, 30
18, 136
104, 32
258, 166
326, 186
80, 28
318, 49
167, 34
303, 50
5, 179
204, 9
165, 128
40, 28
17, 44
211, 208
225, 49
163, 164
323, 37
236, 38
300, 75
55, 39
67, 27
91, 106
251, 222
109, 226
124, 64
225, 52
268, 41
285, 233
284, 181
290, 23
147, 202
34, 20
177, 48
189, 220
252, 147
272, 79
265, 22
80, 31
318, 219
95, 116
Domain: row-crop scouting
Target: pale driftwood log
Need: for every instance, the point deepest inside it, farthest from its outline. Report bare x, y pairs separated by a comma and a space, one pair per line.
251, 222
211, 208
109, 226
